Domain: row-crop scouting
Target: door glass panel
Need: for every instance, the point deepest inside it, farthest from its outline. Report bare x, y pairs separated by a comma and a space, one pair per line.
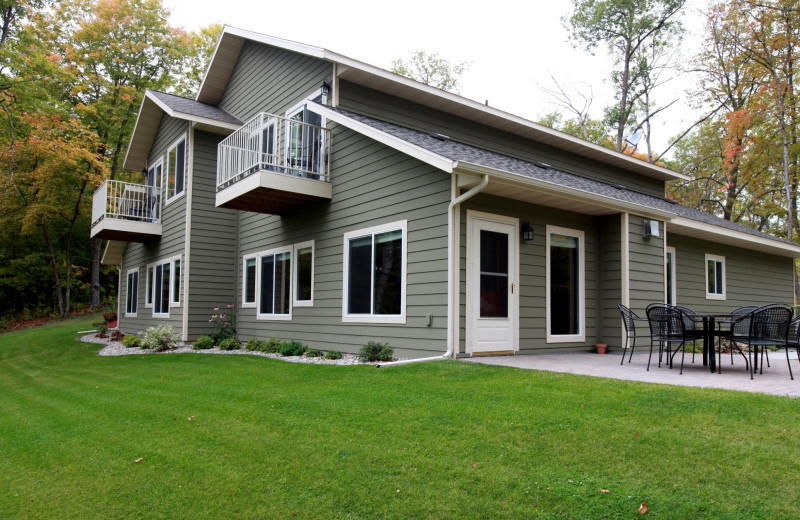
564, 285
494, 274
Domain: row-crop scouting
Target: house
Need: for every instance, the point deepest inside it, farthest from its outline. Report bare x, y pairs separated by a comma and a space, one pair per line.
334, 203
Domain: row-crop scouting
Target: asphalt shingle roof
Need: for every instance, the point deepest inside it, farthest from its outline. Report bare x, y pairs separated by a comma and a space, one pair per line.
457, 151
195, 108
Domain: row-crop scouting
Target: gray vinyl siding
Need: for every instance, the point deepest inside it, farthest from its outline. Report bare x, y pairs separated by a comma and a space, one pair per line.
751, 278
645, 266
610, 267
372, 185
271, 80
532, 264
212, 258
170, 244
402, 112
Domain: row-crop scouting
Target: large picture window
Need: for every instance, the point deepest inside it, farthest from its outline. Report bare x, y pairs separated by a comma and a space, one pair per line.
274, 284
132, 293
565, 285
175, 169
375, 274
304, 274
715, 277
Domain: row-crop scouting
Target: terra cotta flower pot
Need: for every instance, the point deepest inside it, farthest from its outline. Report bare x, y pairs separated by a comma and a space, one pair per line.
601, 348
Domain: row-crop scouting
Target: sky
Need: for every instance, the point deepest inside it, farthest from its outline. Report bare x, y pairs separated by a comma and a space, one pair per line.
514, 47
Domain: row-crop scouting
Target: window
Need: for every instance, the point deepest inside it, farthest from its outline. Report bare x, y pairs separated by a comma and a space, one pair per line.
304, 139
132, 293
375, 274
166, 286
715, 277
565, 273
304, 274
249, 282
670, 270
175, 169
274, 284
153, 206
148, 296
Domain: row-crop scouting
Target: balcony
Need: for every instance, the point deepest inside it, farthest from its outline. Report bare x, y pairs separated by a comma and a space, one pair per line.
273, 165
126, 212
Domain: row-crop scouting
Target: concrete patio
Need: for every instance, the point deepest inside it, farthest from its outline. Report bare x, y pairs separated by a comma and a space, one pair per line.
775, 379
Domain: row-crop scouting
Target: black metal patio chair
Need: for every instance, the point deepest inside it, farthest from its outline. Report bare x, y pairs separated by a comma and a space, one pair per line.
630, 319
793, 341
691, 323
667, 327
738, 328
769, 326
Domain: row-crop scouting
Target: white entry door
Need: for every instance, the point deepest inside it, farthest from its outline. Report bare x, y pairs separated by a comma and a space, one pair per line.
493, 285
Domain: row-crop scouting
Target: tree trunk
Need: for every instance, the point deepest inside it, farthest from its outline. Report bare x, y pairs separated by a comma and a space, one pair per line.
56, 276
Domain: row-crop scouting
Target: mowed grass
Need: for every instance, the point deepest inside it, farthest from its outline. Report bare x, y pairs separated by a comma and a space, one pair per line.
269, 439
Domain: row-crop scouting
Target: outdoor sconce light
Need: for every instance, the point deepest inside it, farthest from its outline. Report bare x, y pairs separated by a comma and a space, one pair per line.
649, 228
144, 173
526, 230
326, 88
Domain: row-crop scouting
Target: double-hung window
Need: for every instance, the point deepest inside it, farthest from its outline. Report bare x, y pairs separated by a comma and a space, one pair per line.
715, 277
175, 169
166, 285
132, 293
375, 274
304, 274
274, 284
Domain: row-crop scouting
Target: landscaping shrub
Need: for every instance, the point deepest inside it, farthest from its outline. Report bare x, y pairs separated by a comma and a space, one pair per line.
131, 341
312, 352
255, 345
159, 338
333, 354
374, 351
293, 348
203, 343
230, 344
273, 346
224, 323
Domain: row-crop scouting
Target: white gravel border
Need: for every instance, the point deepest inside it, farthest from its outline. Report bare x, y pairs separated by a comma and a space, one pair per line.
116, 348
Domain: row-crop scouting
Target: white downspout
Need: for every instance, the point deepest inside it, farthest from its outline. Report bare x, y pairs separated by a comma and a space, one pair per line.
452, 266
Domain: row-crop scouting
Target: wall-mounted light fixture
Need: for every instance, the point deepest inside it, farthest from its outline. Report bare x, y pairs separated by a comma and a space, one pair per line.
526, 231
326, 89
649, 228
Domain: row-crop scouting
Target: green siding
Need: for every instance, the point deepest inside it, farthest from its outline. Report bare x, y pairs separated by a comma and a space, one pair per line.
645, 266
402, 112
532, 261
751, 278
610, 267
171, 243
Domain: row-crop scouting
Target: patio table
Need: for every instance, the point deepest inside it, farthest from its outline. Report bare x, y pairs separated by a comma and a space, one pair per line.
710, 332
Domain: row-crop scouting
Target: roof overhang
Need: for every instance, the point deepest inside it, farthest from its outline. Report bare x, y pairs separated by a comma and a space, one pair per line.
232, 40
148, 121
720, 235
113, 253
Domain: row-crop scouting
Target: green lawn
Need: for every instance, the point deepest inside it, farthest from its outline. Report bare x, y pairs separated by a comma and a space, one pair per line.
270, 439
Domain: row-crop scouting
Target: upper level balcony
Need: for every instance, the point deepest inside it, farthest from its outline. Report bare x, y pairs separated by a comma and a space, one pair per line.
274, 164
126, 212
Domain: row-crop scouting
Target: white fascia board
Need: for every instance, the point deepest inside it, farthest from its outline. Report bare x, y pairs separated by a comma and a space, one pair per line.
781, 248
133, 133
437, 161
567, 192
189, 117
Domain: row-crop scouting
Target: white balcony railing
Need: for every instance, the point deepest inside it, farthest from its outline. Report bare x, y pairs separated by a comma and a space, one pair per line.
274, 144
126, 201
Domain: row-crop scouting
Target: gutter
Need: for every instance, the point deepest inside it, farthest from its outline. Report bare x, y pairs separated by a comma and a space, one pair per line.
452, 267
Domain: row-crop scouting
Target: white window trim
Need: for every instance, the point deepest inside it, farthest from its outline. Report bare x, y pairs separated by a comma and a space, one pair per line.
297, 247
175, 299
245, 304
401, 225
172, 302
723, 294
273, 317
165, 170
581, 336
148, 285
674, 273
127, 292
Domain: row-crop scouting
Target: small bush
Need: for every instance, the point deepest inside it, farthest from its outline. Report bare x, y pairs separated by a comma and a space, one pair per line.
102, 329
131, 341
230, 344
293, 348
273, 345
374, 351
159, 338
312, 352
116, 336
333, 354
255, 345
203, 343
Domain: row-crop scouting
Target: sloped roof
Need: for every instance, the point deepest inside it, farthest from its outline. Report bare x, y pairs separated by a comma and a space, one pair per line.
461, 154
194, 108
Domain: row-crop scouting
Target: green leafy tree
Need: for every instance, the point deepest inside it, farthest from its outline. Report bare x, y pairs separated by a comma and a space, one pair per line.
431, 69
